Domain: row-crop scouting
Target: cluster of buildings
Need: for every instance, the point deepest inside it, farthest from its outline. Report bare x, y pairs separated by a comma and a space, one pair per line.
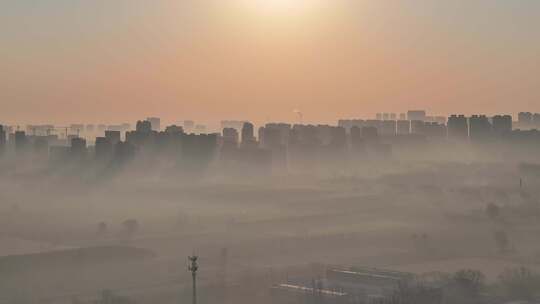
344, 286
528, 120
475, 127
241, 145
115, 144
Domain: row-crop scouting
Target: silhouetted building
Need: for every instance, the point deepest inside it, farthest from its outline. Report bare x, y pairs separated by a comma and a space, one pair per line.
103, 148
274, 135
230, 137
169, 142
269, 137
434, 130
41, 146
480, 128
78, 148
458, 127
39, 130
21, 142
76, 129
198, 151
144, 126
233, 124
155, 123
123, 152
388, 128
308, 135
349, 123
143, 137
174, 129
357, 142
416, 115
373, 123
536, 121
112, 136
324, 134
338, 138
438, 119
525, 120
417, 127
248, 135
370, 134
333, 143
2, 140
403, 127
502, 124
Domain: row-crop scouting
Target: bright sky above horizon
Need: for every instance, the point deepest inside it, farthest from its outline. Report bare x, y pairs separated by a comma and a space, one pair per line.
67, 61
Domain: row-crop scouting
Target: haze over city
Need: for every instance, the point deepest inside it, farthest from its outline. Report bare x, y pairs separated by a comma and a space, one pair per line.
269, 151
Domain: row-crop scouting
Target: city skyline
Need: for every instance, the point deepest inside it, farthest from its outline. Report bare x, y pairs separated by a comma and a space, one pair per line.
277, 145
298, 118
269, 151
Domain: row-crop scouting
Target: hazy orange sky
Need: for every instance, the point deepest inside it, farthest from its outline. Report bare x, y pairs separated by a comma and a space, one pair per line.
68, 61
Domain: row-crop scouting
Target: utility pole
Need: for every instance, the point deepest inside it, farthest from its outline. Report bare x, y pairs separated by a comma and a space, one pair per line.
193, 267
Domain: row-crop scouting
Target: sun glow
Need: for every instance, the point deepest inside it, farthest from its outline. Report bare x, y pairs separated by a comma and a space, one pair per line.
282, 17
280, 8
